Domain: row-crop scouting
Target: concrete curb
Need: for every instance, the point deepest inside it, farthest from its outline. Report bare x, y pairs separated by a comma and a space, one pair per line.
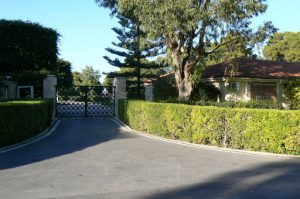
32, 140
201, 146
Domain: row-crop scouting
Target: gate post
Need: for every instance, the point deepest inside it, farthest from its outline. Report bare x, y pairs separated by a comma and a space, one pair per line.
49, 90
148, 91
49, 83
120, 92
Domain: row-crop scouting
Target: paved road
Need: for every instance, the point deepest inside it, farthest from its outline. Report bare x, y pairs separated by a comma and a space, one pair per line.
94, 158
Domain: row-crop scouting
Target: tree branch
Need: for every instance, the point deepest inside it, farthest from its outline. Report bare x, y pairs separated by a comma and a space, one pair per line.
222, 44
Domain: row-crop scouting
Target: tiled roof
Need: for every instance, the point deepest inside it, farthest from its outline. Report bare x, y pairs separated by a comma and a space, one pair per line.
252, 68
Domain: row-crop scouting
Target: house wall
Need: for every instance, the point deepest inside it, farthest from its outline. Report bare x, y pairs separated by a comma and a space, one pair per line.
240, 94
8, 90
244, 91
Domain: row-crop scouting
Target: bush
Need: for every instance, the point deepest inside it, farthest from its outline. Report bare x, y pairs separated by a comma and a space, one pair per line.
275, 131
292, 93
232, 104
165, 88
21, 120
204, 92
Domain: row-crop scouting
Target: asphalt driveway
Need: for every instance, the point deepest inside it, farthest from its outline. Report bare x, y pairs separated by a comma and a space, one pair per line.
95, 158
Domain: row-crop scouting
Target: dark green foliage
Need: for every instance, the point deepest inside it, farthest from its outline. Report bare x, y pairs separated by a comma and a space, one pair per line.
64, 74
21, 120
27, 46
204, 92
30, 77
135, 51
165, 88
283, 47
111, 4
258, 130
292, 92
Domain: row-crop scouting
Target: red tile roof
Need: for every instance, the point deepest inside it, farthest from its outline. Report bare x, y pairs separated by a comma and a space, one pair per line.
252, 68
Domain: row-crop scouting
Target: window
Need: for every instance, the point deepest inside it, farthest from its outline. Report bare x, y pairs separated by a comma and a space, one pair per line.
263, 91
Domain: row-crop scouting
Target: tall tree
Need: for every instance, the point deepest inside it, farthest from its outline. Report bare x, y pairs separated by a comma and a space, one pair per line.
135, 51
190, 27
283, 47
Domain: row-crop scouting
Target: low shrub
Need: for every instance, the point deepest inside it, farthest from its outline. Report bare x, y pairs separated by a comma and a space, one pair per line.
231, 104
21, 120
276, 131
292, 92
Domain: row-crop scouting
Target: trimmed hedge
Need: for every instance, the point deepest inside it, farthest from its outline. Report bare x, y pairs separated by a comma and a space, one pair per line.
231, 104
21, 120
276, 131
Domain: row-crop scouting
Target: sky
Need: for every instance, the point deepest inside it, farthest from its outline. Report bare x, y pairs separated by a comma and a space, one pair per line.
85, 28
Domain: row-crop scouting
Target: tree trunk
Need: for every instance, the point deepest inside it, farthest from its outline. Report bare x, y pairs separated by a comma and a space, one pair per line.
182, 74
184, 86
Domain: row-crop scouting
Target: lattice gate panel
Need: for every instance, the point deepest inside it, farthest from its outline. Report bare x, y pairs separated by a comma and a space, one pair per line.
86, 101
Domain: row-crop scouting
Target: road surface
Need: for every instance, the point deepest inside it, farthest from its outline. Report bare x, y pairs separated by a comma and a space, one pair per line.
95, 158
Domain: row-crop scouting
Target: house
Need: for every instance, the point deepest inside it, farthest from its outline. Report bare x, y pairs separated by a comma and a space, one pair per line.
251, 79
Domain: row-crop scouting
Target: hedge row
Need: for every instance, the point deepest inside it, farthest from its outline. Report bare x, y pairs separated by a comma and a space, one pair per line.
275, 131
21, 120
230, 104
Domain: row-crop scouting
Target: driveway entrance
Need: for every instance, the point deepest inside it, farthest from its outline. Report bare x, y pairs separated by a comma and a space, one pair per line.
86, 101
87, 158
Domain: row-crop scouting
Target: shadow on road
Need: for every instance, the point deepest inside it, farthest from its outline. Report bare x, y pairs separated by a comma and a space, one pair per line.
272, 180
70, 136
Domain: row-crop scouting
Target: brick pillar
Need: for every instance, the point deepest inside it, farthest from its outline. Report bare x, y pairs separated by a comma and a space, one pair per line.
49, 90
148, 92
49, 84
120, 92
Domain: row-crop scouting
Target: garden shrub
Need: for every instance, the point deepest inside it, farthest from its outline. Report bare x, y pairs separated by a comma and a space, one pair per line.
263, 104
21, 120
276, 131
292, 92
165, 88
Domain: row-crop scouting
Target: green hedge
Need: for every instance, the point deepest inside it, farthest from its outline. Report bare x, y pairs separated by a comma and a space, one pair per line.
21, 120
275, 131
230, 104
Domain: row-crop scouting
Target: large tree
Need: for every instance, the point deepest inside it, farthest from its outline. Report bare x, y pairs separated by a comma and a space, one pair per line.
283, 47
134, 50
27, 46
189, 28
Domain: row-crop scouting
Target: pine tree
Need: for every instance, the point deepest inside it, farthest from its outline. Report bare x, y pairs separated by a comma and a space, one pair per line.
135, 51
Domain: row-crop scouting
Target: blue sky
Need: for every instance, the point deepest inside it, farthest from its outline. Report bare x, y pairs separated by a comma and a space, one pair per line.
86, 28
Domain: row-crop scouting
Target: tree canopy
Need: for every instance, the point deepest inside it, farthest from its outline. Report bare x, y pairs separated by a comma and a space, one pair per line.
27, 46
88, 77
240, 48
64, 74
283, 46
189, 29
193, 31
